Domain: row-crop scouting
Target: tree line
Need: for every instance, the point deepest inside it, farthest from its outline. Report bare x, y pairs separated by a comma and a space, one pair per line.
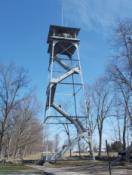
20, 129
110, 97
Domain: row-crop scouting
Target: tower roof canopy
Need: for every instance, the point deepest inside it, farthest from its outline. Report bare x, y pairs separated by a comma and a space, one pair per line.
62, 31
65, 38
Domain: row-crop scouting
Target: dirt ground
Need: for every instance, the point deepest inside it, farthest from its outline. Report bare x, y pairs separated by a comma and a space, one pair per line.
89, 168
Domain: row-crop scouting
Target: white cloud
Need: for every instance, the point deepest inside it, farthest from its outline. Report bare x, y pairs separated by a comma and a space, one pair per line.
95, 14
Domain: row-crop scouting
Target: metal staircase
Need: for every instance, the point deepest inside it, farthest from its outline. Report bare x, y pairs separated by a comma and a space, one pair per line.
63, 42
74, 121
66, 148
62, 63
65, 75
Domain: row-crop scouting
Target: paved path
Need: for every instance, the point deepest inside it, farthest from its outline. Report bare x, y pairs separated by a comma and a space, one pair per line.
84, 170
57, 171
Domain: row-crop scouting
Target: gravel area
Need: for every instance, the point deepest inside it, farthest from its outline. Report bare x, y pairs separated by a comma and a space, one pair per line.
83, 170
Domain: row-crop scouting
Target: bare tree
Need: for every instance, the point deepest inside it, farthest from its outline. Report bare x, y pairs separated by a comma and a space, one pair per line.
120, 71
123, 68
67, 131
90, 120
117, 116
12, 82
26, 130
20, 128
126, 113
102, 102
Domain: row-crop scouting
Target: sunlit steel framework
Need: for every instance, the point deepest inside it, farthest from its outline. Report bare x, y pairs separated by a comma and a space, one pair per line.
65, 90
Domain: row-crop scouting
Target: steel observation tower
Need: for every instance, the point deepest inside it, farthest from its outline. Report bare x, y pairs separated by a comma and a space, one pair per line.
65, 90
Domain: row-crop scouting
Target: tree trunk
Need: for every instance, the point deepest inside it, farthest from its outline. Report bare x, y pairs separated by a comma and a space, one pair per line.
1, 142
79, 149
100, 142
119, 130
90, 149
70, 151
124, 132
3, 124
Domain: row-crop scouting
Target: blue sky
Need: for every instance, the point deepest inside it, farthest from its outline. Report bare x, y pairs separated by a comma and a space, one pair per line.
24, 27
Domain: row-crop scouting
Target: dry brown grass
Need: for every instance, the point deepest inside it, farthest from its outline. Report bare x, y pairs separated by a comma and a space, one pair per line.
35, 156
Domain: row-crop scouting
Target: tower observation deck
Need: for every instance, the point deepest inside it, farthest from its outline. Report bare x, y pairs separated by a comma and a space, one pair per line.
65, 90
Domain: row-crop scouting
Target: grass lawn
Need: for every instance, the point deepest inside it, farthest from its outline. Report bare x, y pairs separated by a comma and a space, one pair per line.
72, 163
13, 168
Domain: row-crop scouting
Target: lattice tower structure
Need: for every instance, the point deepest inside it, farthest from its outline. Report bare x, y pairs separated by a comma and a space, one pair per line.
65, 91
